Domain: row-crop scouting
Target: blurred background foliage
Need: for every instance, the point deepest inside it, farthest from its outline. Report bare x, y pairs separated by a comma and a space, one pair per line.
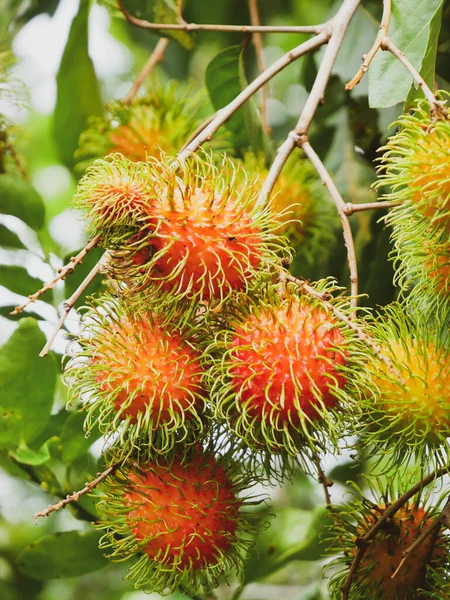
60, 62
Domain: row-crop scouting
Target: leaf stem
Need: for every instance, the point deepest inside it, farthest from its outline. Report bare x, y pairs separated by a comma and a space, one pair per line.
258, 43
155, 57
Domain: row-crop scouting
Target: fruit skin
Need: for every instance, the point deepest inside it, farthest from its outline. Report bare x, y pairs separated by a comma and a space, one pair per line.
205, 239
422, 261
409, 414
183, 517
280, 367
139, 374
384, 552
416, 164
161, 120
115, 193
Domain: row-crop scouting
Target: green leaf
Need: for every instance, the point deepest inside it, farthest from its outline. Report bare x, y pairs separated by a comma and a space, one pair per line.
414, 31
5, 311
27, 384
26, 456
225, 79
78, 92
293, 535
9, 239
160, 11
20, 199
63, 554
73, 438
17, 280
73, 280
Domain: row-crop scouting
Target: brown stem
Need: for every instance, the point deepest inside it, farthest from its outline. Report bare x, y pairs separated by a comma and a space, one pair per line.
91, 485
189, 27
325, 482
340, 206
225, 113
70, 302
351, 208
362, 542
437, 106
62, 274
258, 43
155, 57
367, 58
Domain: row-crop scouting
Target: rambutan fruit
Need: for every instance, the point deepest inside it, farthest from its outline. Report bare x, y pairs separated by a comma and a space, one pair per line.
422, 259
161, 120
114, 193
183, 519
139, 376
416, 164
206, 238
305, 214
284, 368
408, 416
389, 568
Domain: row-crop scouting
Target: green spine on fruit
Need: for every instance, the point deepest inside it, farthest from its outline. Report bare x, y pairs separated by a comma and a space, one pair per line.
139, 376
183, 520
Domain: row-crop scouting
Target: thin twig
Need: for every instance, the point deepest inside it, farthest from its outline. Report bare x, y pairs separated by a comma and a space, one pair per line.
336, 27
62, 274
325, 482
437, 106
91, 485
225, 113
340, 206
189, 27
351, 208
362, 542
69, 303
442, 519
367, 58
155, 57
199, 129
362, 335
258, 43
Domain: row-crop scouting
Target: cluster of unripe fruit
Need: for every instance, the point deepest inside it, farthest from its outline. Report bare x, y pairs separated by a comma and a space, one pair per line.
202, 362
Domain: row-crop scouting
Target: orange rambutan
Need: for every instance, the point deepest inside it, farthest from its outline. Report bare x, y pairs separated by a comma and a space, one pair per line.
183, 517
140, 376
282, 363
206, 239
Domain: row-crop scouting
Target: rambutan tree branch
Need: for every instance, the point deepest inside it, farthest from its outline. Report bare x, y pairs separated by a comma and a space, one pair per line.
190, 27
62, 274
437, 106
155, 57
258, 43
225, 113
367, 58
70, 302
362, 542
351, 208
91, 485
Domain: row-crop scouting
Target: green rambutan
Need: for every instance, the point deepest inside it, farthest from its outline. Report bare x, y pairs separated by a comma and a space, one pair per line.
416, 164
204, 236
284, 371
159, 121
381, 574
139, 376
183, 519
408, 415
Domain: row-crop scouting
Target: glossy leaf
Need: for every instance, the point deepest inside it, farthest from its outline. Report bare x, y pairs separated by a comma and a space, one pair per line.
27, 384
9, 239
74, 442
18, 280
412, 30
26, 456
20, 199
64, 554
78, 92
